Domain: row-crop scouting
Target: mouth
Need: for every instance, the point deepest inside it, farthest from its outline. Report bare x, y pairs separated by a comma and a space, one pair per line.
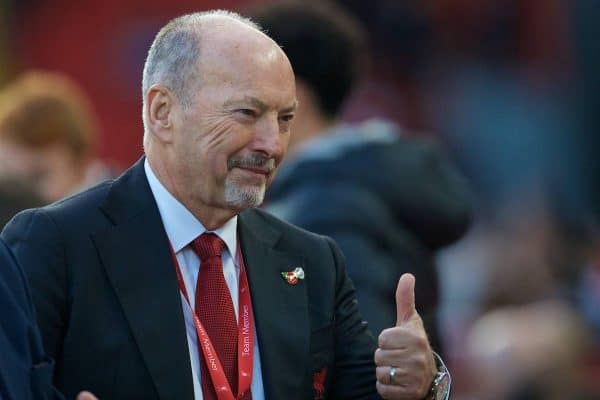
255, 171
254, 165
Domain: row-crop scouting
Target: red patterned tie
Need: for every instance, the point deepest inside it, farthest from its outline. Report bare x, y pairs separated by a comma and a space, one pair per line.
215, 310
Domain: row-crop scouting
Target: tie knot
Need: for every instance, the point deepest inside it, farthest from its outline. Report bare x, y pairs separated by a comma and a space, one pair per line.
208, 245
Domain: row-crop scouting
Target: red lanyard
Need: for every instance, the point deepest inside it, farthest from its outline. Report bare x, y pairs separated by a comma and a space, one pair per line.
245, 338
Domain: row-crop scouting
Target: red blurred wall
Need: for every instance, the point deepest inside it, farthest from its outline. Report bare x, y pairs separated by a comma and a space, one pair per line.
102, 45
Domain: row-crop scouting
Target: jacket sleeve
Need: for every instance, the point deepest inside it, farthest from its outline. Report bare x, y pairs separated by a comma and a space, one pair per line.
36, 243
354, 345
28, 369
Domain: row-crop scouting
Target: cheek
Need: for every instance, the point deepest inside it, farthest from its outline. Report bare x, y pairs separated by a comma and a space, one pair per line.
285, 141
224, 141
224, 136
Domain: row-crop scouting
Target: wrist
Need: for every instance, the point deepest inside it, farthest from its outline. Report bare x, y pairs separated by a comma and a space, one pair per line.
442, 381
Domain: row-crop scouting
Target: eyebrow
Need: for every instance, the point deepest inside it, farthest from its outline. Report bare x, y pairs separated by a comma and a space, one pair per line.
253, 101
291, 108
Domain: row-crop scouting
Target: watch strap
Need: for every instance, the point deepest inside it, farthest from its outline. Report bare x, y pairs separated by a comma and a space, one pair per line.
441, 375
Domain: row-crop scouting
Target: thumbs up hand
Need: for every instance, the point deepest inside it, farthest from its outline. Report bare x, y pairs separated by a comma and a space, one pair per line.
404, 359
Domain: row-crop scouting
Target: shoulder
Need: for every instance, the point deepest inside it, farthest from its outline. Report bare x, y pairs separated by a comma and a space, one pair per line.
73, 212
126, 195
288, 236
266, 220
75, 205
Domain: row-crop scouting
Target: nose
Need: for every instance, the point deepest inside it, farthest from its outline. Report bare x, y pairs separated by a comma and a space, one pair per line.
268, 139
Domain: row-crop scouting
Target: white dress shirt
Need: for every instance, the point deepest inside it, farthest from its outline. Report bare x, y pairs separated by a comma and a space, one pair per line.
182, 228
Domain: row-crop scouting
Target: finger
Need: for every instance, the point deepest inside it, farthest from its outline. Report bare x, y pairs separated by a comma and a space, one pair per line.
384, 358
416, 363
86, 396
383, 376
399, 392
405, 299
402, 337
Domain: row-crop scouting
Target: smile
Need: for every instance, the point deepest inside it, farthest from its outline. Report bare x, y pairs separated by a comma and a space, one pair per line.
255, 171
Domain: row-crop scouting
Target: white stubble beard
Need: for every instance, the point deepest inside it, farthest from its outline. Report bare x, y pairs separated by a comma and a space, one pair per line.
243, 196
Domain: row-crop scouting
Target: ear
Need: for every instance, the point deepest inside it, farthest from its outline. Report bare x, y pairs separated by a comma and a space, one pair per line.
160, 103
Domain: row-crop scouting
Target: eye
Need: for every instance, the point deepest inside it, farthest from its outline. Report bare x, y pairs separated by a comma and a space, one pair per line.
246, 112
286, 118
285, 122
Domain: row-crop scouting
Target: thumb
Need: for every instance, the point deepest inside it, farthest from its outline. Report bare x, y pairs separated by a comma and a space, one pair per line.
86, 396
405, 299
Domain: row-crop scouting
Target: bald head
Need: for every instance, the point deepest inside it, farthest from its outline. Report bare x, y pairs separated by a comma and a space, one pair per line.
185, 50
176, 48
219, 99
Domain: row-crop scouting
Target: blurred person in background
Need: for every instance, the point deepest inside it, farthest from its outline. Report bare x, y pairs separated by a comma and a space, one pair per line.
390, 202
530, 323
528, 352
47, 133
526, 336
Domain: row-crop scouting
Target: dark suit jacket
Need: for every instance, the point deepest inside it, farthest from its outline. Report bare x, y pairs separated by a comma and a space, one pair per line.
110, 313
25, 373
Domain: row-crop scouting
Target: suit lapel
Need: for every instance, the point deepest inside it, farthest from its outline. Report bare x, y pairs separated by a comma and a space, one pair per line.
280, 309
135, 254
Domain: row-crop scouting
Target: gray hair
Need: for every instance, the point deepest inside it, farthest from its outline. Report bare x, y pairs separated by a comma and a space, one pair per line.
173, 56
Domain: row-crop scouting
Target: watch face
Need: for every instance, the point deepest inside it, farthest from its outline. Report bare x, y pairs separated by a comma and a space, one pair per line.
442, 386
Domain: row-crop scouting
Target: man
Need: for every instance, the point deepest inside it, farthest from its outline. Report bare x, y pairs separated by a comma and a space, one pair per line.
25, 371
389, 201
138, 282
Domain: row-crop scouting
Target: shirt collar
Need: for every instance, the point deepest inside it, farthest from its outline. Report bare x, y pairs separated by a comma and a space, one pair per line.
180, 224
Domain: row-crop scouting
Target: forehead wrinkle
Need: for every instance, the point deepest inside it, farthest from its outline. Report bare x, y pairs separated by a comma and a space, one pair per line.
256, 102
246, 100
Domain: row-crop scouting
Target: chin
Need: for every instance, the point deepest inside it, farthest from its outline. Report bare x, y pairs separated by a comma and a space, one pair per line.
244, 197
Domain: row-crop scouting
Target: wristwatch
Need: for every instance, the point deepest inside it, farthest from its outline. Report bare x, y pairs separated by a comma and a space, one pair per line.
441, 385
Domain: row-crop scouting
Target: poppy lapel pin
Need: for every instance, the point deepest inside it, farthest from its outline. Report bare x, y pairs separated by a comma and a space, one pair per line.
292, 277
319, 383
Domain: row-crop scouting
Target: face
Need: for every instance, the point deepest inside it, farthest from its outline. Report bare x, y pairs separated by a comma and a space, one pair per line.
229, 142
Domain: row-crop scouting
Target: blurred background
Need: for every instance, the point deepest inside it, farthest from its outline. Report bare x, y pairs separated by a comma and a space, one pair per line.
509, 88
